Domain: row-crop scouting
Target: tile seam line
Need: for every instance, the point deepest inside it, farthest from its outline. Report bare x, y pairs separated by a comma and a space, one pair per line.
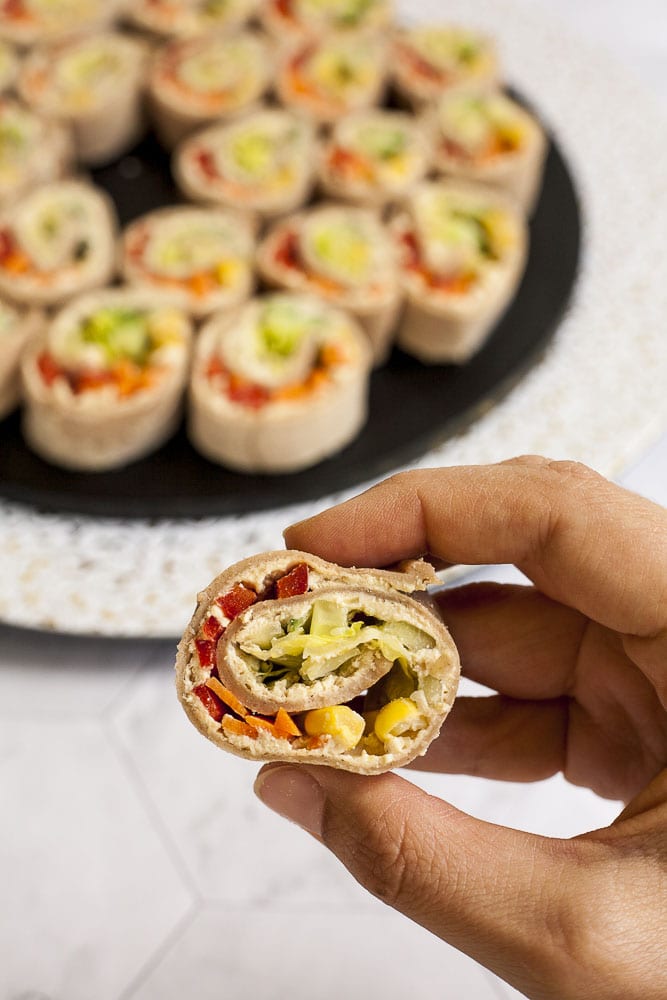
151, 811
161, 951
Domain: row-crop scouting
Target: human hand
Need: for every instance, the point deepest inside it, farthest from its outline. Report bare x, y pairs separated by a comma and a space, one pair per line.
579, 662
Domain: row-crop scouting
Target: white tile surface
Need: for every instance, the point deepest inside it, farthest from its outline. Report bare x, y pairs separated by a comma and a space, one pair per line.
234, 849
248, 955
88, 890
52, 676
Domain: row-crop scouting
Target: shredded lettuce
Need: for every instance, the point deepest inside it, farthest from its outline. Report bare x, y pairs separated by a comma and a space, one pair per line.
316, 647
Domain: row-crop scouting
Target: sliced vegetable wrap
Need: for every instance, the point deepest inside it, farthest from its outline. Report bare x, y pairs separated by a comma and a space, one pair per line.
31, 22
329, 77
33, 150
307, 18
464, 250
374, 157
431, 59
94, 84
202, 256
17, 327
292, 658
279, 385
57, 241
104, 385
343, 254
490, 139
263, 163
9, 66
196, 81
184, 18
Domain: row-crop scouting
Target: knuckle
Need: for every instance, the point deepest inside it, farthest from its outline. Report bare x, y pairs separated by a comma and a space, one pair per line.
528, 460
388, 859
595, 938
567, 470
396, 862
402, 480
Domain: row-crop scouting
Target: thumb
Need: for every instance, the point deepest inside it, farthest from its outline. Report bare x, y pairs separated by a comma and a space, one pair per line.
492, 892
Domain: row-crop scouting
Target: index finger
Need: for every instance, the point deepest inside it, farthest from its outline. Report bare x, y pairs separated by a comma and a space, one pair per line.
582, 540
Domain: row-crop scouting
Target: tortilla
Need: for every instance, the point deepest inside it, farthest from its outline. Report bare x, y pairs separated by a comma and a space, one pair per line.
94, 85
464, 251
57, 241
292, 658
33, 150
203, 256
103, 386
278, 385
429, 60
17, 327
487, 138
33, 22
196, 81
329, 77
294, 19
374, 157
185, 18
262, 163
344, 254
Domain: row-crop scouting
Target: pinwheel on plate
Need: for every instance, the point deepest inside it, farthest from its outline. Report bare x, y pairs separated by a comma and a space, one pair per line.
33, 150
374, 157
57, 241
329, 77
201, 255
262, 163
490, 139
279, 385
428, 60
464, 250
94, 84
17, 327
196, 81
344, 254
104, 385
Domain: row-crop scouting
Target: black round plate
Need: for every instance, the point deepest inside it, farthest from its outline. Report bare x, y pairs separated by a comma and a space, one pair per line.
412, 407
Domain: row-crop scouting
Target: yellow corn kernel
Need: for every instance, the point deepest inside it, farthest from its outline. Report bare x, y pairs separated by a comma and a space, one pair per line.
501, 228
226, 271
396, 718
339, 721
513, 133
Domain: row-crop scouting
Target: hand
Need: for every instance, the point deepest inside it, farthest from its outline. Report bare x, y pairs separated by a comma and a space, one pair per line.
579, 662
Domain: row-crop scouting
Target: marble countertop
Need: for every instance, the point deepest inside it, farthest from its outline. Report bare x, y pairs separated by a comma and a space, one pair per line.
135, 862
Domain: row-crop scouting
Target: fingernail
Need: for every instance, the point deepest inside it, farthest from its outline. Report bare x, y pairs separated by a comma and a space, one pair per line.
292, 527
292, 793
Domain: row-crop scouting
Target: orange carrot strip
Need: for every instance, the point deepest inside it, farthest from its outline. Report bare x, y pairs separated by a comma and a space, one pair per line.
332, 354
17, 263
285, 723
292, 392
270, 727
199, 284
258, 723
224, 694
236, 727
